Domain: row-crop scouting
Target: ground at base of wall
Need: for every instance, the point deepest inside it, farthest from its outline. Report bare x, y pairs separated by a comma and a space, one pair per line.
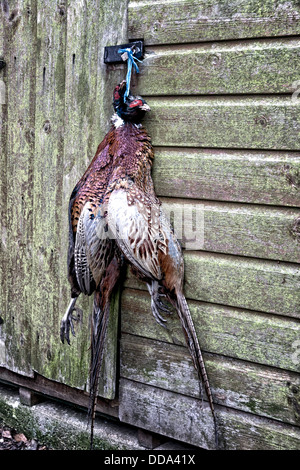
53, 425
10, 439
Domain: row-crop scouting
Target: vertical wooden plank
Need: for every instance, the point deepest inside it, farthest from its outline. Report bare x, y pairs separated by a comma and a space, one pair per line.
20, 35
47, 183
80, 87
2, 191
89, 85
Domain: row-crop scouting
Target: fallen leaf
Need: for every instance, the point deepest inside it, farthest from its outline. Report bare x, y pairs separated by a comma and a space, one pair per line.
6, 434
20, 438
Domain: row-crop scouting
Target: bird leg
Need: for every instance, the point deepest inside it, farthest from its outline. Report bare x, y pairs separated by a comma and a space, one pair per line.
156, 303
67, 322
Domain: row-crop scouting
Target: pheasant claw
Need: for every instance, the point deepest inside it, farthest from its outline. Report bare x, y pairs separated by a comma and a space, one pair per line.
67, 322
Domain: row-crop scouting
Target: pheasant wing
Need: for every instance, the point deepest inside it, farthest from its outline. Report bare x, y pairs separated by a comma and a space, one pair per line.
136, 228
92, 248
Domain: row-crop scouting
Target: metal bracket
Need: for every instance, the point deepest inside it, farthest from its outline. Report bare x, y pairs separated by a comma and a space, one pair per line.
111, 55
2, 64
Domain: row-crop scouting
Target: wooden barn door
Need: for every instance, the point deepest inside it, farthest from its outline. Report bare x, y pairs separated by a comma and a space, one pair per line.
58, 106
222, 80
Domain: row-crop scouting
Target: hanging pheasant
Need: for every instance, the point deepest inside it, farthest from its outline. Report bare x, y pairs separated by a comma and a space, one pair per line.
114, 215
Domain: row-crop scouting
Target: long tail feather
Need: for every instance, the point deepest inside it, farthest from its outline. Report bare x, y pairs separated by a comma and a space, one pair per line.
99, 329
195, 351
102, 301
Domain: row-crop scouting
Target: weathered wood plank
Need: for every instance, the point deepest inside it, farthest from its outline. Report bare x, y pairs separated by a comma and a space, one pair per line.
80, 84
89, 86
3, 164
185, 21
58, 390
265, 286
246, 230
47, 184
269, 66
225, 122
226, 175
255, 284
250, 336
241, 385
20, 51
183, 418
2, 16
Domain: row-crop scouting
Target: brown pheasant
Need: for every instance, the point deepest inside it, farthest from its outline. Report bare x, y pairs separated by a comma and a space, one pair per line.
114, 214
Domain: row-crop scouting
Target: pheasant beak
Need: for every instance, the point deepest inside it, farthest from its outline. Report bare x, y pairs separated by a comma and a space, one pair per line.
145, 107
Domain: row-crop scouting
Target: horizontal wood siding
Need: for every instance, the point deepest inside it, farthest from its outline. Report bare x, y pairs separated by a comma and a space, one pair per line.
187, 420
186, 21
262, 177
237, 384
268, 66
225, 122
222, 82
253, 336
256, 231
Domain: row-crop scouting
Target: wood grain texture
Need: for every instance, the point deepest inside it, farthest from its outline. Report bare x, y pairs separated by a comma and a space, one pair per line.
251, 336
188, 420
186, 21
245, 386
225, 175
242, 285
58, 111
250, 122
47, 184
266, 286
268, 66
3, 222
243, 282
58, 390
238, 229
20, 51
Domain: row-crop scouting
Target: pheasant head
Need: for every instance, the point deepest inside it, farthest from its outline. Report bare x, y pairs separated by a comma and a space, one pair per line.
133, 109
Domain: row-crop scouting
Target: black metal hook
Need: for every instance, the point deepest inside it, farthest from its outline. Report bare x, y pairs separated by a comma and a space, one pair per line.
112, 56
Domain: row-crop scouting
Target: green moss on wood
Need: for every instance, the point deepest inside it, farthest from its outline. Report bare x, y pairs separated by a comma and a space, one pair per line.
241, 176
242, 385
227, 122
195, 21
260, 338
47, 426
243, 68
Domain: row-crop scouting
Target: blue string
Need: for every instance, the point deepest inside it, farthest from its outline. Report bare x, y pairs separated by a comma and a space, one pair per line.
131, 61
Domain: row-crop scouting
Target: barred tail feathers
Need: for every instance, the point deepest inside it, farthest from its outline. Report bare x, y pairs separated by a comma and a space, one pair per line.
195, 351
98, 334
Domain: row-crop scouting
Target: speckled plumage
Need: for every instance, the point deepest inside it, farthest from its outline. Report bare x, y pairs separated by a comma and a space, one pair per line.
115, 215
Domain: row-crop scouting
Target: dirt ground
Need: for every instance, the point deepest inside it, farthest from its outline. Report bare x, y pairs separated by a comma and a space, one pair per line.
10, 439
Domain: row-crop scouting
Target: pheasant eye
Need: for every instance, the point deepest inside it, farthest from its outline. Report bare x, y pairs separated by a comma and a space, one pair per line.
136, 103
